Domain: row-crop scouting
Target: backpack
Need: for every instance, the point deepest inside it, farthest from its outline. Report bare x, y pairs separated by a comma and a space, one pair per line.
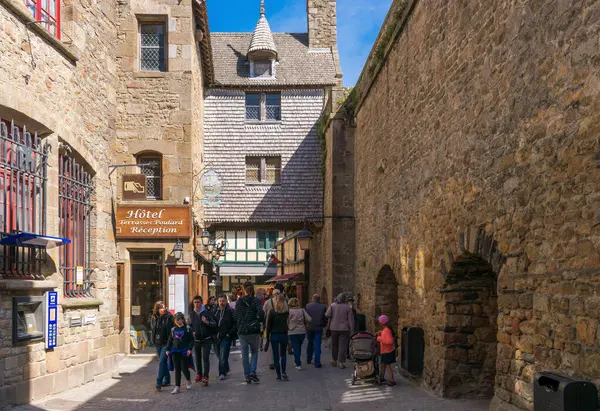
251, 319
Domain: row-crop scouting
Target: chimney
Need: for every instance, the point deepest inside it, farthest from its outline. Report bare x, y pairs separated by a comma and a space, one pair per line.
322, 25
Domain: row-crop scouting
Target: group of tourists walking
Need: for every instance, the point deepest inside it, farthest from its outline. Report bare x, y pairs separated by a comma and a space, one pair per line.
281, 323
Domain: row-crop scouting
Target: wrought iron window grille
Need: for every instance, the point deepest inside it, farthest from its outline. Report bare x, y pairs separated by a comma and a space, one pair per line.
75, 207
23, 189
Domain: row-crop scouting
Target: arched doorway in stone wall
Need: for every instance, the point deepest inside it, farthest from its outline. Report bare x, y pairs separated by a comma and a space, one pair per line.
386, 295
470, 332
324, 296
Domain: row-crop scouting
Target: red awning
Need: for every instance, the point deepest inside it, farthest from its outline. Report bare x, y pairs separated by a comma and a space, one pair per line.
284, 277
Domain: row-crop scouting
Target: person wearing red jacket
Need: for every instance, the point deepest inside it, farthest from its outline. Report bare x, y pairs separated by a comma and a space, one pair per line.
387, 348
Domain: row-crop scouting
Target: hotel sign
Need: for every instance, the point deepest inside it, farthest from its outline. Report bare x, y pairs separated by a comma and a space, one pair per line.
135, 222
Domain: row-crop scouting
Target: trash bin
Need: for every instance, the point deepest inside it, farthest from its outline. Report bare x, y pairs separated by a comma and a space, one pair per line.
412, 350
554, 392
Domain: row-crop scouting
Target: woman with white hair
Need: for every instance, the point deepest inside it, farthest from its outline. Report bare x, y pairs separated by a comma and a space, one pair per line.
341, 325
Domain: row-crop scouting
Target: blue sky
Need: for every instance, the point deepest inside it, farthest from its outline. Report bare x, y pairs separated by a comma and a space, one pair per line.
358, 24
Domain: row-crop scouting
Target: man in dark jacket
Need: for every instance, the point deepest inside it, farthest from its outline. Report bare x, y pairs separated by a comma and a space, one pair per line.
226, 332
316, 310
249, 316
204, 328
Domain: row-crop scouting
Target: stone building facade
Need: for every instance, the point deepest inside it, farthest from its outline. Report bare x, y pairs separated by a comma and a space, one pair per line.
157, 100
261, 138
65, 91
476, 190
98, 110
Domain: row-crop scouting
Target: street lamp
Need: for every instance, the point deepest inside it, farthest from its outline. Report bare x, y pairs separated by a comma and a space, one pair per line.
211, 246
178, 249
205, 238
306, 235
304, 238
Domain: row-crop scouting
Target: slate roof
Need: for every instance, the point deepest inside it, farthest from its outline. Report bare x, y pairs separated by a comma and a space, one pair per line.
297, 64
262, 38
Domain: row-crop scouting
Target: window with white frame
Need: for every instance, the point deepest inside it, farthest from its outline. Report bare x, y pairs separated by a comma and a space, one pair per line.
263, 170
152, 47
263, 106
151, 167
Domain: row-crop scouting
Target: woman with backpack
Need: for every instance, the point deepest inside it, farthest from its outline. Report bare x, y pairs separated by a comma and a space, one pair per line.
298, 323
387, 349
161, 325
179, 347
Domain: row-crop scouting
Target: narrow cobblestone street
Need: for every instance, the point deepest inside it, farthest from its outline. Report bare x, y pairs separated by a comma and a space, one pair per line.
310, 389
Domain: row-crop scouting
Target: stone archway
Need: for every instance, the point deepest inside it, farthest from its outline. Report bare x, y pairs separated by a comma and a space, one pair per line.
470, 332
386, 295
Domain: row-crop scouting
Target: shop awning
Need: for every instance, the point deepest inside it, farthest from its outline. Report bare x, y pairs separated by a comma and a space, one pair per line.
284, 277
247, 270
33, 240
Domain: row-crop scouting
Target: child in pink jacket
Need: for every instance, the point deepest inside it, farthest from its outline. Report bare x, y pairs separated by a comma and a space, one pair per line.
387, 349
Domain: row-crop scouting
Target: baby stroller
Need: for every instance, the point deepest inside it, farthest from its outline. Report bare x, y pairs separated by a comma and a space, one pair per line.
364, 351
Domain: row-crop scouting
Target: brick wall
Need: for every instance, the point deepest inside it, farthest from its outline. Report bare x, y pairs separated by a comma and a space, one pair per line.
477, 136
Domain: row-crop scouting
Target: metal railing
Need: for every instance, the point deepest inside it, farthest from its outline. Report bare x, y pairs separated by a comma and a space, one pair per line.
23, 180
75, 192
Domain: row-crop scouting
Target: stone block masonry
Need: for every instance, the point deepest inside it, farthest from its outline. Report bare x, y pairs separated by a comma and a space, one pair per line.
322, 24
69, 99
479, 190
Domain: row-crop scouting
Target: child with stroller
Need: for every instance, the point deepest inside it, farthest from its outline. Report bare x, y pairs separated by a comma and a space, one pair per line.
181, 342
387, 349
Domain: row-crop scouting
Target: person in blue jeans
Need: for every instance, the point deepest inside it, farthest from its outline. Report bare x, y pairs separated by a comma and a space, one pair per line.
315, 334
277, 335
160, 329
226, 332
249, 316
299, 321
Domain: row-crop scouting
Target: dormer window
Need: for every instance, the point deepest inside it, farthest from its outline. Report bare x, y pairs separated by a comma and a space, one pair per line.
261, 68
262, 52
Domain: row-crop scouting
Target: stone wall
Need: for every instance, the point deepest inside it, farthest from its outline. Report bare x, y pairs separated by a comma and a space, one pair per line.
479, 137
322, 23
155, 107
334, 240
158, 113
65, 90
322, 29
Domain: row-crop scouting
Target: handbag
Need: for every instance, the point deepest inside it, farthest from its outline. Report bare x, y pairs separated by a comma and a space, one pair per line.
307, 324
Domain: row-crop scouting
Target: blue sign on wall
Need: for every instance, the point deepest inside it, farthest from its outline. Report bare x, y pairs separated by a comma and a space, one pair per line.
51, 325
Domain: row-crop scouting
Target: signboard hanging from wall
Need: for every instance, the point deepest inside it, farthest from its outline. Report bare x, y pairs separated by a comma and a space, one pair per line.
134, 187
135, 222
211, 186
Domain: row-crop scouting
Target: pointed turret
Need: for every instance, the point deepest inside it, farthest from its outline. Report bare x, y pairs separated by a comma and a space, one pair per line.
262, 45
